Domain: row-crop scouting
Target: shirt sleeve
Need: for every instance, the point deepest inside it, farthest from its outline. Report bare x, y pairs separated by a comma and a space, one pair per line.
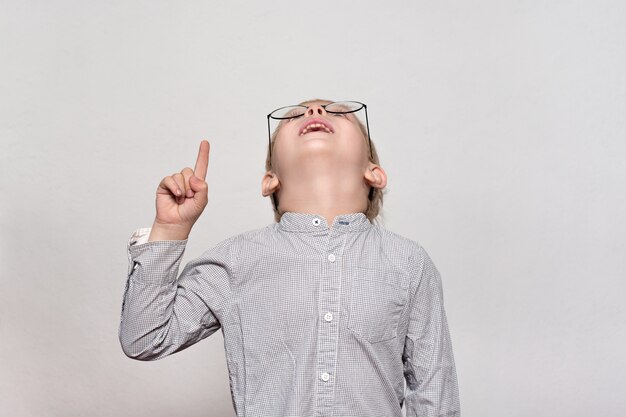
429, 370
162, 313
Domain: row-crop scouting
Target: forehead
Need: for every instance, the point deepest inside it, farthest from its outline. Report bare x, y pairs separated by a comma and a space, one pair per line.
315, 101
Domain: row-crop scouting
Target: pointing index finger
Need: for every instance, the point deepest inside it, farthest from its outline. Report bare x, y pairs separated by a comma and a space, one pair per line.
202, 163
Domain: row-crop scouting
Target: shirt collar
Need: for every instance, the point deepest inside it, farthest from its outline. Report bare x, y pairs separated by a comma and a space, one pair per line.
308, 222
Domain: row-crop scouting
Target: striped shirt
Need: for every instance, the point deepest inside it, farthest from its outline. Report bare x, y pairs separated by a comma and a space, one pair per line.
343, 321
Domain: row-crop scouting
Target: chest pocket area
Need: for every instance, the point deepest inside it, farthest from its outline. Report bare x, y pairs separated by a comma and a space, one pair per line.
377, 299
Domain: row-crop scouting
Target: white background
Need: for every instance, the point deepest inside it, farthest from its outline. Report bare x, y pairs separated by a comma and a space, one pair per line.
501, 125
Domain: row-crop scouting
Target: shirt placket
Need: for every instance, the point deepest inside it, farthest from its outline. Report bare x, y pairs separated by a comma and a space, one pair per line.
328, 330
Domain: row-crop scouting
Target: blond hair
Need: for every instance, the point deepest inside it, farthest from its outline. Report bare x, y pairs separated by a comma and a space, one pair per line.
375, 196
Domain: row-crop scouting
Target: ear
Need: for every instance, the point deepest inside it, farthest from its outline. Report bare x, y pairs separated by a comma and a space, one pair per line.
375, 176
269, 184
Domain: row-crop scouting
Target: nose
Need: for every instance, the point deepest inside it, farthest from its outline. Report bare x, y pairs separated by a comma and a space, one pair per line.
315, 109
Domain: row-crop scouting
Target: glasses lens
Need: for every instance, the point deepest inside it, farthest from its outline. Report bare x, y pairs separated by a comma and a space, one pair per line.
344, 107
288, 112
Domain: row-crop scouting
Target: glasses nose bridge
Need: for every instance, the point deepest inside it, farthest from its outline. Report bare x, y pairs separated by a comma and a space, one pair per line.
315, 109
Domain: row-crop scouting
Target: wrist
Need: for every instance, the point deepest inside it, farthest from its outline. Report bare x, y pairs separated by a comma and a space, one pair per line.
168, 232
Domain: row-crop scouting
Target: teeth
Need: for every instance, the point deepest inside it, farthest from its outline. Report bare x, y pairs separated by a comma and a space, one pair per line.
315, 126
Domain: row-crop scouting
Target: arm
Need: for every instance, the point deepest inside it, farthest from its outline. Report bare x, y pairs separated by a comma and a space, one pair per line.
432, 387
162, 314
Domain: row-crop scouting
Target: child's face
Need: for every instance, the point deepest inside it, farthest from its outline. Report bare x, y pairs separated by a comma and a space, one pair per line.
336, 137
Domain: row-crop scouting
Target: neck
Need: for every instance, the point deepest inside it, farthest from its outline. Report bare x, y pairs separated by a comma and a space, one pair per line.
324, 194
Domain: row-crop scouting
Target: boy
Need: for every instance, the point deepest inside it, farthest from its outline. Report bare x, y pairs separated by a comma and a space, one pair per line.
322, 313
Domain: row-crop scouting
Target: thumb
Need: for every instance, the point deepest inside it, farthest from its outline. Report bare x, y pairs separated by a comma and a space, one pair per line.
198, 186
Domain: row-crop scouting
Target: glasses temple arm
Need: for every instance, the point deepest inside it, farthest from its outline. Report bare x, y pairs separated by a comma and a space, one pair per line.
269, 138
367, 123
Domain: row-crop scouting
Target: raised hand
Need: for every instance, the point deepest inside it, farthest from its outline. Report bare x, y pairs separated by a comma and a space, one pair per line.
180, 199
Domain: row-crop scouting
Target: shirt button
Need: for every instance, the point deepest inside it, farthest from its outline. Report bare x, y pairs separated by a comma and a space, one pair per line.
316, 222
331, 257
325, 376
328, 316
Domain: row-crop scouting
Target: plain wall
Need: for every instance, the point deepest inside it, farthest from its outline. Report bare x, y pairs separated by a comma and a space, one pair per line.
501, 125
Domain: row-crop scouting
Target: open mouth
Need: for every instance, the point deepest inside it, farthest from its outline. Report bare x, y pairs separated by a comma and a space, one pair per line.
316, 125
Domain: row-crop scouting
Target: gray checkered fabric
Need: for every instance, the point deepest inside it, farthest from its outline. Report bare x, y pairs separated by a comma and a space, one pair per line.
343, 321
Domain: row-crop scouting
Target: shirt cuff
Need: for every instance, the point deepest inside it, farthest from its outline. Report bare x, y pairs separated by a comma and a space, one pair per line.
163, 255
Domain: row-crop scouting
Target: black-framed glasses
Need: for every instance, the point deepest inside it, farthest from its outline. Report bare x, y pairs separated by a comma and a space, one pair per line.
337, 107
